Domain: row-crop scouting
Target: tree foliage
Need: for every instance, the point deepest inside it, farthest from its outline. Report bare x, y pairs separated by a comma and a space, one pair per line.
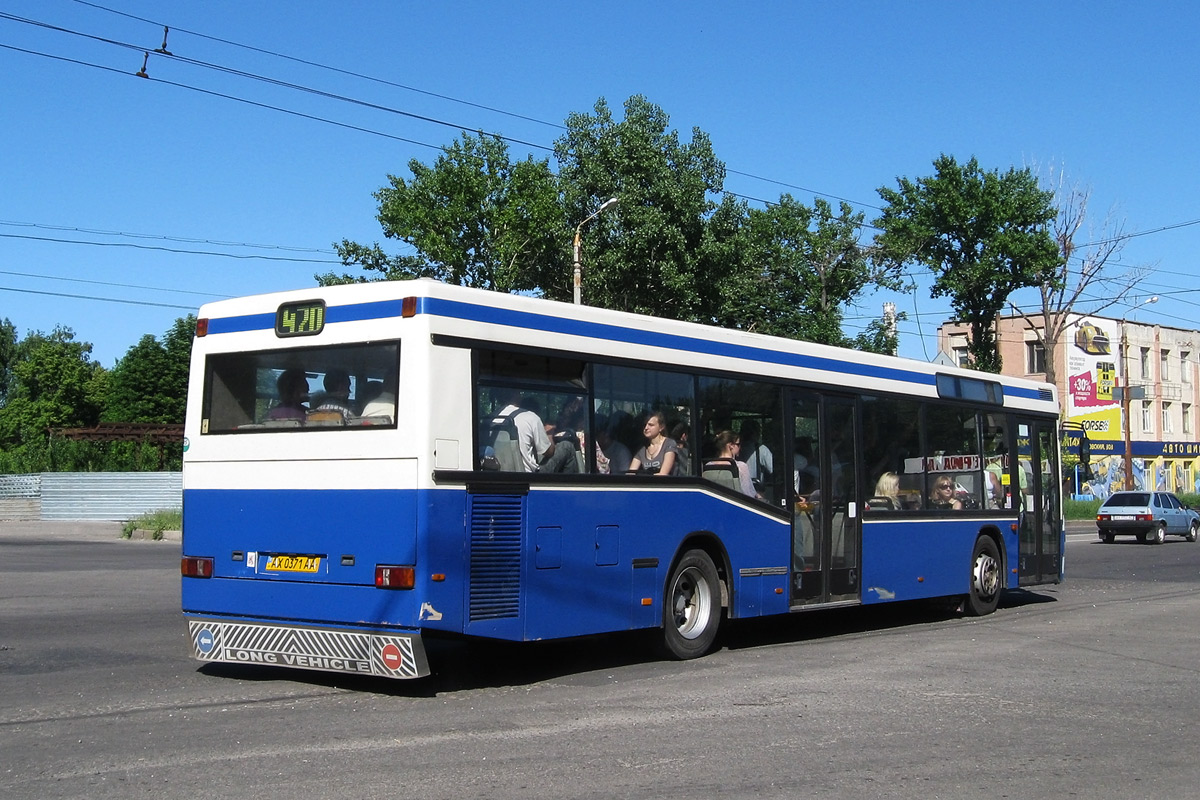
474, 218
658, 253
54, 383
983, 234
804, 268
8, 352
149, 383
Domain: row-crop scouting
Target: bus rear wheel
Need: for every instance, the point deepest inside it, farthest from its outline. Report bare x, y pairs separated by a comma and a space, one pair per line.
986, 578
692, 607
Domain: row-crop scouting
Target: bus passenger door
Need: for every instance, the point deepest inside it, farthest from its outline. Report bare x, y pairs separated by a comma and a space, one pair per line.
1038, 491
826, 523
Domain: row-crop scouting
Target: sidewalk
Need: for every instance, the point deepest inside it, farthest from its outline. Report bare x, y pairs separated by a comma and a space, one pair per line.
60, 529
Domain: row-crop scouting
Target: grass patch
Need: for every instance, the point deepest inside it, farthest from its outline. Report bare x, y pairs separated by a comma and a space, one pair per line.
156, 521
1080, 509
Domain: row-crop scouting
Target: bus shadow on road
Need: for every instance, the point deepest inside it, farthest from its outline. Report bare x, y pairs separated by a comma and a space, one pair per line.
466, 664
853, 620
469, 664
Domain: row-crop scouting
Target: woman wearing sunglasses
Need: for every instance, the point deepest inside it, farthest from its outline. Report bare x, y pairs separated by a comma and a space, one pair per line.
942, 496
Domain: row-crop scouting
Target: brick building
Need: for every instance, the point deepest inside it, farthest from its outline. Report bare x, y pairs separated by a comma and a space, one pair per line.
1095, 356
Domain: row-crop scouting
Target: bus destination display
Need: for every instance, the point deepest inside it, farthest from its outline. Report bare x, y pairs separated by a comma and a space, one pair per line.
305, 318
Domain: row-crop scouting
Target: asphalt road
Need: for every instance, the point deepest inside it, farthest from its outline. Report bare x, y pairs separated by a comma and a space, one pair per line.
1088, 689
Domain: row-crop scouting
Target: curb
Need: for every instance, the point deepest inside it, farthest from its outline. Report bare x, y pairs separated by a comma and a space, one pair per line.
149, 535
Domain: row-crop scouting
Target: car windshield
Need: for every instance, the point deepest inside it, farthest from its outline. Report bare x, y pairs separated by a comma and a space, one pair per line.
1128, 499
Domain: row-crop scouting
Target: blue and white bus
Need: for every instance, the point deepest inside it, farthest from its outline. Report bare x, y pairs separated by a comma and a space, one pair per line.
367, 466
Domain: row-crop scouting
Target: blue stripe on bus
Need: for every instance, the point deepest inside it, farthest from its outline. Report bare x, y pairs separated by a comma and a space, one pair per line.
456, 309
247, 322
598, 330
357, 312
354, 312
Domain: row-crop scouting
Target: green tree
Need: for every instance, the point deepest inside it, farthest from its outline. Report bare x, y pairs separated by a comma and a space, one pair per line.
8, 352
655, 253
880, 336
474, 218
149, 383
55, 384
805, 267
983, 234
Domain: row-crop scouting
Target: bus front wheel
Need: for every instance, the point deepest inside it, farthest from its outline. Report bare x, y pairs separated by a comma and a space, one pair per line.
692, 607
986, 580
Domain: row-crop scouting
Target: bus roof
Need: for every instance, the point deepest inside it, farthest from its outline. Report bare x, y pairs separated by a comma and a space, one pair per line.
460, 312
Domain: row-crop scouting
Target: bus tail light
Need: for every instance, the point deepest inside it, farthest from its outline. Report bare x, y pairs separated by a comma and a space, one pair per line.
202, 327
196, 567
389, 577
408, 307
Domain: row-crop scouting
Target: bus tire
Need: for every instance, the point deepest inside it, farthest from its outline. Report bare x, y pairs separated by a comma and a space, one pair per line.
986, 578
692, 607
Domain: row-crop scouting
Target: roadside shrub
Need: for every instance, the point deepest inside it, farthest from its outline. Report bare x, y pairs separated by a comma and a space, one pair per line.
156, 521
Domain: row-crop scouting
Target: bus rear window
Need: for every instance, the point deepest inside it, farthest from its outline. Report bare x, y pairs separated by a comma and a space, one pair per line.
302, 389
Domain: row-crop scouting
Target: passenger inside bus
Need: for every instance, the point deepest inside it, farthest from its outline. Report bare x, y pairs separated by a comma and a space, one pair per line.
292, 386
612, 456
725, 469
334, 407
887, 493
381, 399
658, 455
568, 437
516, 436
943, 493
755, 455
681, 433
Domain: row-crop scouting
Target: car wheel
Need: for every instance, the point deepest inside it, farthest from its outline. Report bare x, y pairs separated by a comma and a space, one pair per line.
1193, 532
1158, 535
1107, 537
692, 611
986, 578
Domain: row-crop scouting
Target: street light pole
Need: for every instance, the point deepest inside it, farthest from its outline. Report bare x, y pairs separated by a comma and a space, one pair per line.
579, 242
1127, 422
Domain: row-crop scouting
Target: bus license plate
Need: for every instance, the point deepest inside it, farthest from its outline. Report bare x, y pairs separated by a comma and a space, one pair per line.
293, 564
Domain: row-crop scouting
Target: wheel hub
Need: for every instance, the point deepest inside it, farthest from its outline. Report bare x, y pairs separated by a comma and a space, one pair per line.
986, 576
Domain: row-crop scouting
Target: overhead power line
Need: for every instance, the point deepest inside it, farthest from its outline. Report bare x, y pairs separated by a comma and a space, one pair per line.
185, 239
338, 70
110, 283
101, 299
159, 248
297, 87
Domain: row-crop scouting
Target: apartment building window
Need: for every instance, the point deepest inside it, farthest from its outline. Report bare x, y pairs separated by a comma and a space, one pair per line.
1167, 427
1145, 362
1035, 357
1185, 367
1164, 371
1147, 417
1187, 419
961, 356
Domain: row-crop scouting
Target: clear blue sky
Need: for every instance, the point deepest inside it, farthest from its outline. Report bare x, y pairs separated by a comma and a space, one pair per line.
830, 98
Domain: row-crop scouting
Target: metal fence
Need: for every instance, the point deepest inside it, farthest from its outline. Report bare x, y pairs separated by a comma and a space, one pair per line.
89, 495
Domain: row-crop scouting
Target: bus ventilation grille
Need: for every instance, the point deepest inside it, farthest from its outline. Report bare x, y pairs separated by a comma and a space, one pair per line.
1045, 394
496, 525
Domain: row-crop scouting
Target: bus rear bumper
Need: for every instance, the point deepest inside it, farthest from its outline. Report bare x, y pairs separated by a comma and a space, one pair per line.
356, 652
